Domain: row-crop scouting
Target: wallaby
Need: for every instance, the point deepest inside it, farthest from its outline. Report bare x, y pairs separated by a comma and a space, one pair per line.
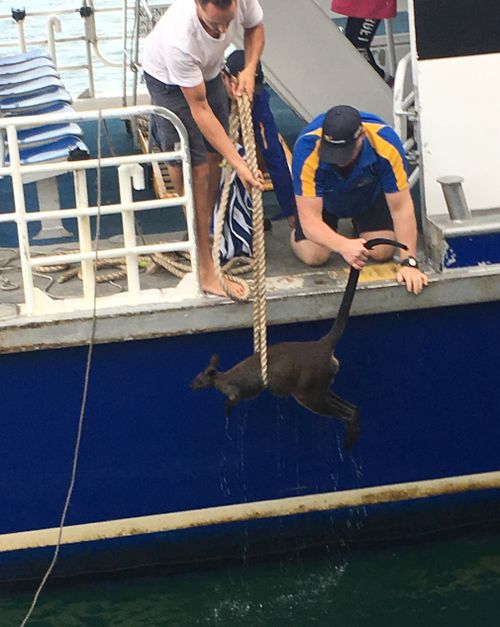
304, 370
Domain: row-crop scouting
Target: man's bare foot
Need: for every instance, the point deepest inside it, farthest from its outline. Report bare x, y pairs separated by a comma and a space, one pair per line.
211, 285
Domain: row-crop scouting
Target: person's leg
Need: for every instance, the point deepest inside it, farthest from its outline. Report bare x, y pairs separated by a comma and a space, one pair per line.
382, 252
377, 222
203, 202
267, 139
175, 174
204, 208
214, 177
309, 252
360, 32
173, 99
208, 190
163, 131
218, 101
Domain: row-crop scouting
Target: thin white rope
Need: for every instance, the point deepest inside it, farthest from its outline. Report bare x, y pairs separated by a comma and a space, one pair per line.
76, 453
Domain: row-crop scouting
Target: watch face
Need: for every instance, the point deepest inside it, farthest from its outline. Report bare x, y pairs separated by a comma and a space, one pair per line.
410, 262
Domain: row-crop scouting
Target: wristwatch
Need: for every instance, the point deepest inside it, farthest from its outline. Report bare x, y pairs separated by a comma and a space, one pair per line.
409, 262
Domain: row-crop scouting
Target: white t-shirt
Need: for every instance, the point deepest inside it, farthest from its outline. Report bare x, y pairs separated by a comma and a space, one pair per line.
179, 51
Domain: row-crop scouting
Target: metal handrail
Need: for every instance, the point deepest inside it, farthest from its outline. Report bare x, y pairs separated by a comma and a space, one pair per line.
130, 175
403, 104
391, 48
404, 109
89, 37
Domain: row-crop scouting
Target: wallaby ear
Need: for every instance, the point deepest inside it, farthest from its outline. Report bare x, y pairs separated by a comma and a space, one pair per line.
214, 361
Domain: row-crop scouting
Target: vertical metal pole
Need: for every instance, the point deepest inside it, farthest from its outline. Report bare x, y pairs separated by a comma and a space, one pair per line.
189, 204
22, 226
54, 26
48, 200
84, 234
391, 48
21, 35
136, 52
124, 54
128, 175
90, 38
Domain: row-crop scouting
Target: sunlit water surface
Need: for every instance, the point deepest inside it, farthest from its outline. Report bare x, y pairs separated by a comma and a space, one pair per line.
455, 583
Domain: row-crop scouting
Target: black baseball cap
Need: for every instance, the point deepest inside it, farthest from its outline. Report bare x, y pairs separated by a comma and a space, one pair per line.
236, 62
341, 128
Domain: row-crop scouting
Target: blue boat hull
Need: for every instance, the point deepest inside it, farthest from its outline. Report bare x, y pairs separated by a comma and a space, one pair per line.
426, 383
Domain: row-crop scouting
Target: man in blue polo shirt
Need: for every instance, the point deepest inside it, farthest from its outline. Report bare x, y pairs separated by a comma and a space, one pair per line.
348, 164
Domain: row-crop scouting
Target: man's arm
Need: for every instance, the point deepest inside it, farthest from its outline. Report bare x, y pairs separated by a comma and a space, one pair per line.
405, 230
215, 134
254, 40
310, 214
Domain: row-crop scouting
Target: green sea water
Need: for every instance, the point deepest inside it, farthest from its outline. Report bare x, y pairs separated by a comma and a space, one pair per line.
453, 583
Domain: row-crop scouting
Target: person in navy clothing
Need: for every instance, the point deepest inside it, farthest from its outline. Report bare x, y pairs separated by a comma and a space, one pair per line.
351, 164
266, 135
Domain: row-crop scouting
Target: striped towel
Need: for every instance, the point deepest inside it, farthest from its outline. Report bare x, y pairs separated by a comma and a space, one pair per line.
237, 229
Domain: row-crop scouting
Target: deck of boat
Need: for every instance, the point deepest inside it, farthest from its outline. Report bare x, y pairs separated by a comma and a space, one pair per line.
295, 292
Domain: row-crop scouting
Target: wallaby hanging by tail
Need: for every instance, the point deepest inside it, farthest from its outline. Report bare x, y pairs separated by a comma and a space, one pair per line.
304, 370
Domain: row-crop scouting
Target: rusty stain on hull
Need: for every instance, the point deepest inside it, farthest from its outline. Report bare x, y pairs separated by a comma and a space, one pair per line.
251, 511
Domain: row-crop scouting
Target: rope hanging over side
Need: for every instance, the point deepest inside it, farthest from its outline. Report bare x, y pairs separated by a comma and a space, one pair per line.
259, 252
241, 114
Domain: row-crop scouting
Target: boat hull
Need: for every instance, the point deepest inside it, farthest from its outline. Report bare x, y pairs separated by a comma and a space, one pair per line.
426, 382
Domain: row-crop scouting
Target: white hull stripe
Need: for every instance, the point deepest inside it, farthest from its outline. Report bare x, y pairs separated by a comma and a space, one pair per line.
158, 523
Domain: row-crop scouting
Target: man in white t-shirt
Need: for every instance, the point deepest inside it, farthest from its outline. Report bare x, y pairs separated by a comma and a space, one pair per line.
182, 60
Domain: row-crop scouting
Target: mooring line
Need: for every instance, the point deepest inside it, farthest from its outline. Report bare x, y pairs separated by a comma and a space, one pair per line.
76, 453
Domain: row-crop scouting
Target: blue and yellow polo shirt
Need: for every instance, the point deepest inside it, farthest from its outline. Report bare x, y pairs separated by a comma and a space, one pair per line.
380, 167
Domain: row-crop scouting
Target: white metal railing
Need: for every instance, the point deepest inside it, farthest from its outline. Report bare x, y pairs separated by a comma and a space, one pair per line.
86, 33
130, 175
404, 110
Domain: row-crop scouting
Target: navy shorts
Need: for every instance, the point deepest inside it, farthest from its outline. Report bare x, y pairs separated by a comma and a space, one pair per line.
172, 98
378, 218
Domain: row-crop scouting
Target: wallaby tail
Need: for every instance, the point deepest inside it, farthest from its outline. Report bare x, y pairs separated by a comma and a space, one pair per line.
338, 326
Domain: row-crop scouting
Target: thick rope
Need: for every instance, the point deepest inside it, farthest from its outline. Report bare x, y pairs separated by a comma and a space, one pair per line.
179, 264
73, 269
219, 222
259, 252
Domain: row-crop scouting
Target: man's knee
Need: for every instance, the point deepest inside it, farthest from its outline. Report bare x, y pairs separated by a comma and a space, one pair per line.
308, 252
382, 253
200, 171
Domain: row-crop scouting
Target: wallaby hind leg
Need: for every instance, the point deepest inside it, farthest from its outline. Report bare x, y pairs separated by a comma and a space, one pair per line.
331, 405
341, 407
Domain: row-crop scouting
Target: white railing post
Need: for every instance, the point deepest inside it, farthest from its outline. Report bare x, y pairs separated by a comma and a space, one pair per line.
391, 48
22, 226
404, 109
398, 97
48, 200
21, 35
189, 205
90, 39
84, 234
129, 175
54, 26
